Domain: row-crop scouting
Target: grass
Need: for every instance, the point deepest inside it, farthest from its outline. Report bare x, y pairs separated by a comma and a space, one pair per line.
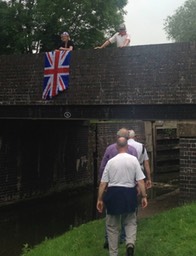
171, 233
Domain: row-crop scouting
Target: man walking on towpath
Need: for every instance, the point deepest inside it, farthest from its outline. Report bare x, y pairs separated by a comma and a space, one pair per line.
120, 176
110, 152
142, 157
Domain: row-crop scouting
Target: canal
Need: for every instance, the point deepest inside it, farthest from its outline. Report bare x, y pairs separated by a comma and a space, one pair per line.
32, 222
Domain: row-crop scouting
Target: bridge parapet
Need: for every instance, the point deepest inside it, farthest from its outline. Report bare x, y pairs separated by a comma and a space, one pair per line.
137, 75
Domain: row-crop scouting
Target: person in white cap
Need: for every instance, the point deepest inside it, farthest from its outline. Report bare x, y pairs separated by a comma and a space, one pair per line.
121, 38
66, 44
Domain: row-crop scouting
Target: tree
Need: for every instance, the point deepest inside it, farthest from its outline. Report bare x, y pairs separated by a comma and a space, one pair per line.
4, 34
17, 26
35, 25
182, 25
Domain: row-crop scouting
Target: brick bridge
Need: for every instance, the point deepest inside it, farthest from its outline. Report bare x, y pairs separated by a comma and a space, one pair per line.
49, 145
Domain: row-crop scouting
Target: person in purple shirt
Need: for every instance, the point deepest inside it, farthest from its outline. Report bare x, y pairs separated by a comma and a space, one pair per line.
110, 152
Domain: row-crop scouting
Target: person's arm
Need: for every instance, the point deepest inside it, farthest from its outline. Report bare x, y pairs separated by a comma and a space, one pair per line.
105, 44
148, 175
141, 185
100, 204
70, 48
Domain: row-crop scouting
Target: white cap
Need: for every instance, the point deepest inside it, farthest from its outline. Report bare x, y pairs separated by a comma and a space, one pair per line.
122, 27
65, 34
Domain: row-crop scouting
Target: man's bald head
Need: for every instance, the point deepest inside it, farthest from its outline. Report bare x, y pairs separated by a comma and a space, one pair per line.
123, 132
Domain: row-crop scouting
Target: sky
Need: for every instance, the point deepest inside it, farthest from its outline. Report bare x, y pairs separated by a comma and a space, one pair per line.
145, 20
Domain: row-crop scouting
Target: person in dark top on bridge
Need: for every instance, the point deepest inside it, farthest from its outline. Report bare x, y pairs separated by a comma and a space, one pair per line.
66, 44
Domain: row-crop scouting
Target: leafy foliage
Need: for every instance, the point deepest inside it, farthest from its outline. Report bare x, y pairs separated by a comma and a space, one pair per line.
182, 25
28, 26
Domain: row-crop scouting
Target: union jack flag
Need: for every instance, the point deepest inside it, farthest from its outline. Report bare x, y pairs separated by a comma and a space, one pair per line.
56, 73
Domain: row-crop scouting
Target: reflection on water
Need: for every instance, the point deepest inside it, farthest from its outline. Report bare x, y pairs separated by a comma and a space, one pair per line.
32, 222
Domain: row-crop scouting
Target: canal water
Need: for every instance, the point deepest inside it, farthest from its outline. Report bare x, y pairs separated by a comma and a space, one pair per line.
32, 222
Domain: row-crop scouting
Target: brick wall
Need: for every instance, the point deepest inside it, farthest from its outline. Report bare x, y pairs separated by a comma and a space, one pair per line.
41, 157
150, 74
187, 170
187, 133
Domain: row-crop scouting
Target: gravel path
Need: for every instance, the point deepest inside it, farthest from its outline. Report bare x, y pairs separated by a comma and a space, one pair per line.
160, 204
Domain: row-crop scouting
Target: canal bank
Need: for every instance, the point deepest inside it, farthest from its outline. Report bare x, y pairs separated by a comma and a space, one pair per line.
33, 222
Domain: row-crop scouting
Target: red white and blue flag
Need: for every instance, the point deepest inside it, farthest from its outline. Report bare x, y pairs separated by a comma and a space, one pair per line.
56, 73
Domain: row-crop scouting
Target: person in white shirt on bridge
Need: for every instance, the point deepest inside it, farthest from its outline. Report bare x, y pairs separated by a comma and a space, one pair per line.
142, 157
121, 38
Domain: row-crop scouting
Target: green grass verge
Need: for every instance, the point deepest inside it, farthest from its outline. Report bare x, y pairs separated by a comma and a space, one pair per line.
172, 233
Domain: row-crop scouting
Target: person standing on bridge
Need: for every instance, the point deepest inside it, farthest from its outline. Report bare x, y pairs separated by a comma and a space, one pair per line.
66, 44
121, 38
119, 177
